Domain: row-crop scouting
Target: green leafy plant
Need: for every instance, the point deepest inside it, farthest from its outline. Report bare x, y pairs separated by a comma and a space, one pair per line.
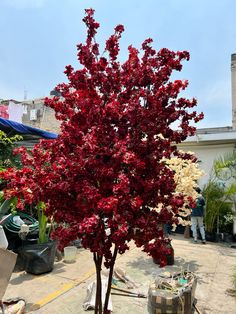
219, 193
228, 161
7, 144
217, 204
9, 205
7, 158
44, 231
6, 204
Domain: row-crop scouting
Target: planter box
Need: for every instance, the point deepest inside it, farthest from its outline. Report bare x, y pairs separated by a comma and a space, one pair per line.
38, 258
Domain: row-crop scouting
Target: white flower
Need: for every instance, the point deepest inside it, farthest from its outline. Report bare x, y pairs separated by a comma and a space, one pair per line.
186, 175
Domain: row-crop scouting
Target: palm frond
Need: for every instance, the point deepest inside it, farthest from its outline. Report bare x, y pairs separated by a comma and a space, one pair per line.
230, 190
225, 161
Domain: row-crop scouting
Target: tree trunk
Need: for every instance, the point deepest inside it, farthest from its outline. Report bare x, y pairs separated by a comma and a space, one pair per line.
98, 303
110, 280
187, 232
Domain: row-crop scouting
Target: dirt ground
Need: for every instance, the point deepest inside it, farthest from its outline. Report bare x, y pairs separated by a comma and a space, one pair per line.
64, 289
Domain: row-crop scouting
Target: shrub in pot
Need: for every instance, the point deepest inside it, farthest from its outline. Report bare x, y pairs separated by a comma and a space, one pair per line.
39, 258
220, 194
218, 207
162, 257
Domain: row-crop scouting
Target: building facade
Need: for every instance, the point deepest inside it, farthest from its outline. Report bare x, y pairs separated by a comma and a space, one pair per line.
30, 112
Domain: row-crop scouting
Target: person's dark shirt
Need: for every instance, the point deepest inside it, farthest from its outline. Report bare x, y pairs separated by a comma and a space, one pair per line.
198, 211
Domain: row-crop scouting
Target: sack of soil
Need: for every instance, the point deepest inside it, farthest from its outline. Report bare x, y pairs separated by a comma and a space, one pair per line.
38, 258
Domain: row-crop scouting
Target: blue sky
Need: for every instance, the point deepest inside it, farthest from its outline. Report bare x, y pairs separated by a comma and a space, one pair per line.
39, 37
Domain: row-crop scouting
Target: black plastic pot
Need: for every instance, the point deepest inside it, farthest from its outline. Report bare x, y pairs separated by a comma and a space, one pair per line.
38, 258
169, 258
227, 237
15, 242
234, 237
212, 236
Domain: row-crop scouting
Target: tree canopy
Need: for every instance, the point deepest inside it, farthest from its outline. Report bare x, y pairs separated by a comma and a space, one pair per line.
103, 176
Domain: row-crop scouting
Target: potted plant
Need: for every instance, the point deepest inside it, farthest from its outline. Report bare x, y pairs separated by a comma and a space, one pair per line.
35, 250
218, 193
213, 194
39, 258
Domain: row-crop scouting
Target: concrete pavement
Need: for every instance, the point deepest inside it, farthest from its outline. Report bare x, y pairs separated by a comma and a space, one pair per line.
63, 290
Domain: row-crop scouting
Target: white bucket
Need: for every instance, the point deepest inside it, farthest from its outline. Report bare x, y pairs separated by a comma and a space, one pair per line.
70, 254
3, 239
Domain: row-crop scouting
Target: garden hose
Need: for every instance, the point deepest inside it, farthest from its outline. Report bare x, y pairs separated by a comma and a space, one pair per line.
11, 226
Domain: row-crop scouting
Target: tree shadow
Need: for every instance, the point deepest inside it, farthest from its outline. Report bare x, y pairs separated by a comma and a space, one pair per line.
23, 276
181, 263
148, 267
58, 268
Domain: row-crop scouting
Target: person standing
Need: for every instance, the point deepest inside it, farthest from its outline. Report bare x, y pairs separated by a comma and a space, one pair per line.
197, 215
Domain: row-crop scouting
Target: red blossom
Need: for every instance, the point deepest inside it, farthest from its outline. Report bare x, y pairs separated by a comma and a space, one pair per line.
119, 29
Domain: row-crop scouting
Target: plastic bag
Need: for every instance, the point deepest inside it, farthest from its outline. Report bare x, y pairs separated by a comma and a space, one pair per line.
38, 258
89, 302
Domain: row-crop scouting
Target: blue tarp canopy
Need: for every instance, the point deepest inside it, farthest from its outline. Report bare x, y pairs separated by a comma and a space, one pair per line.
11, 127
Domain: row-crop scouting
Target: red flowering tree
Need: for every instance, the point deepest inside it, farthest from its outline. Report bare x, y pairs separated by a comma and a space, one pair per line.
104, 175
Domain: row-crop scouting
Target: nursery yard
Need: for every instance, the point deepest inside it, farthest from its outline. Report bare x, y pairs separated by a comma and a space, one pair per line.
64, 290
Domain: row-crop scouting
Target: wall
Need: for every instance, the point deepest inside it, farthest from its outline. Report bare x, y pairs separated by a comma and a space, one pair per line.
207, 154
45, 117
233, 89
21, 112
